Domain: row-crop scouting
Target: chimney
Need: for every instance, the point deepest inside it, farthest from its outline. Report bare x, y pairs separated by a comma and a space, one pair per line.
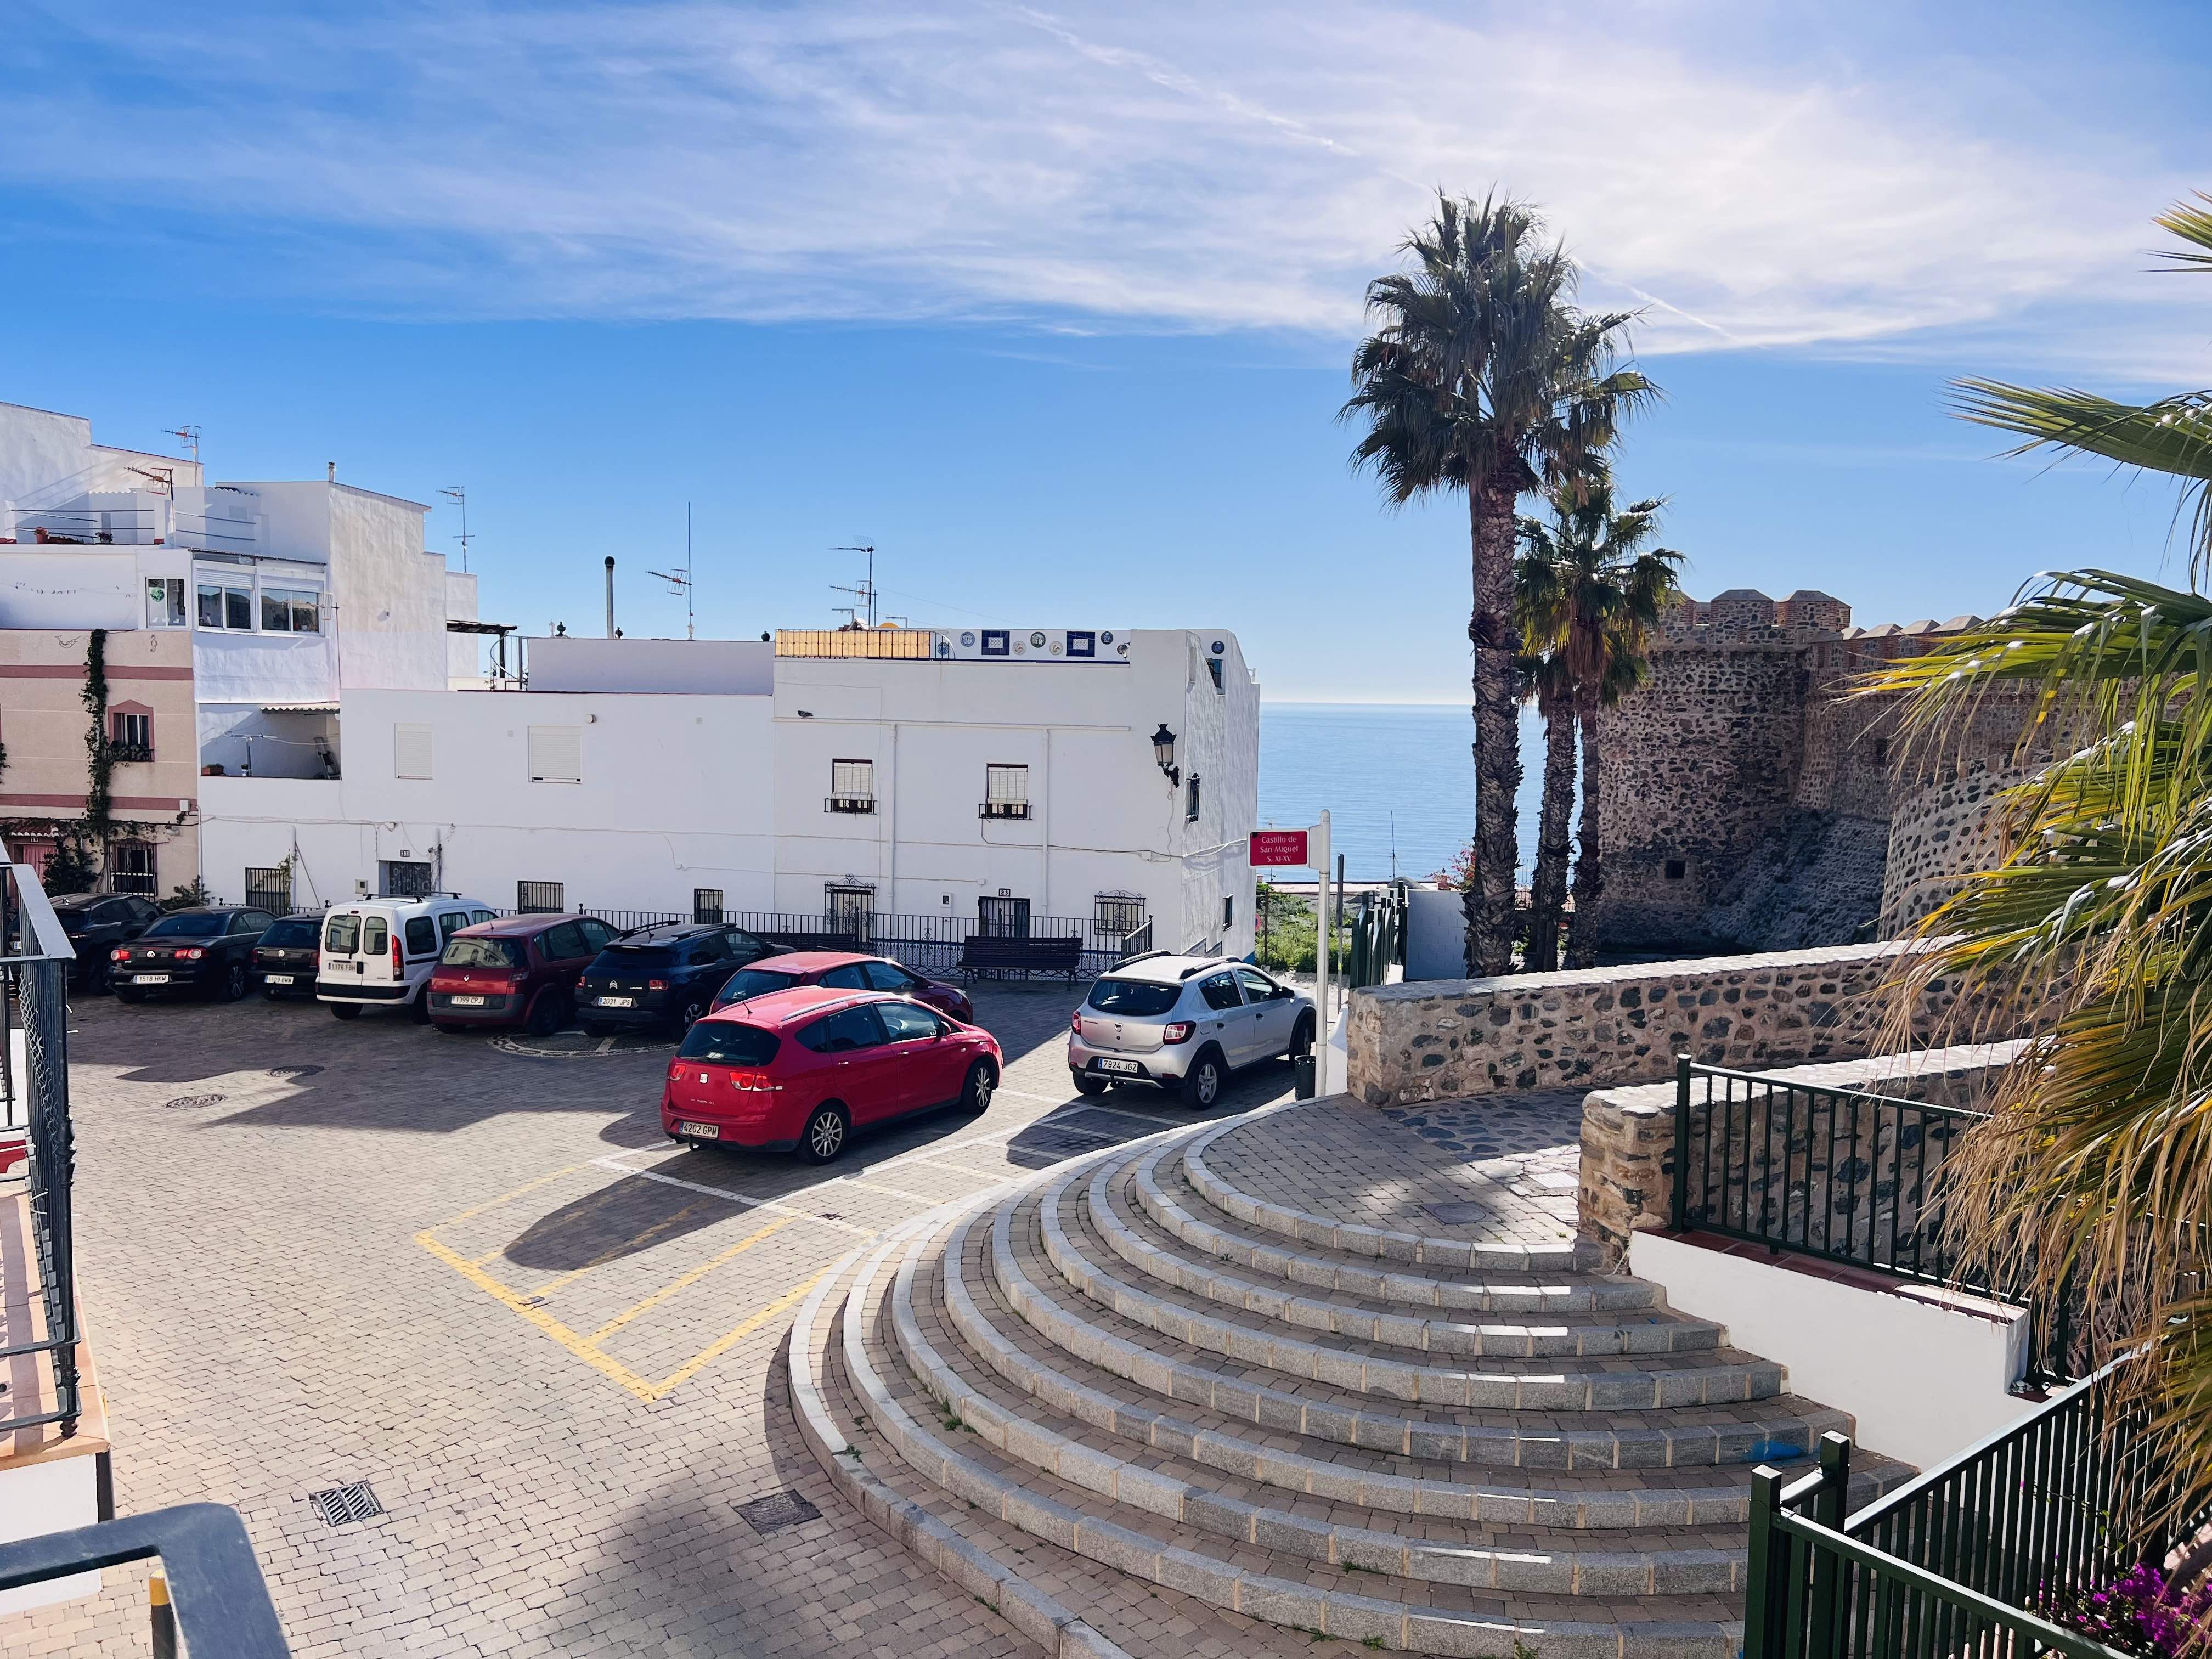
611, 596
331, 472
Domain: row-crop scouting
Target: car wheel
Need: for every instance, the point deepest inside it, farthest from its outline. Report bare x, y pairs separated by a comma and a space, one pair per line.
1088, 1084
234, 983
1202, 1084
419, 1010
975, 1093
692, 1011
544, 1014
128, 993
825, 1134
1302, 1038
345, 1010
102, 980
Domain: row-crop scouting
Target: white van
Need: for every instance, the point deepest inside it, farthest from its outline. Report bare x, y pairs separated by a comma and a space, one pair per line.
378, 953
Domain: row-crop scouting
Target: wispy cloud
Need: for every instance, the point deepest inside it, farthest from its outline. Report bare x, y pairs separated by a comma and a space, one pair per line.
1136, 166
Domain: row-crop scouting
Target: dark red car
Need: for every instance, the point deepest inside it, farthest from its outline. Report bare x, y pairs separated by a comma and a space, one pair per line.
842, 970
808, 1066
518, 971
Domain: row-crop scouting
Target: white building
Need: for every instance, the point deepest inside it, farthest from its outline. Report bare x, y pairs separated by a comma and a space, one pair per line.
898, 773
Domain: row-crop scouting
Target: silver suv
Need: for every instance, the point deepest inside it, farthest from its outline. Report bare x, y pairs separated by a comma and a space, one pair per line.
1183, 1022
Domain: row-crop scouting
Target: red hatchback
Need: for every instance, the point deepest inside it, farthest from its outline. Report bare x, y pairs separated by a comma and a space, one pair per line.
518, 971
807, 1066
842, 970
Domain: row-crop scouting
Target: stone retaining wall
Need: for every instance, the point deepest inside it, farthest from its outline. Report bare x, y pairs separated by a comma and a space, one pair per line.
1628, 1134
1453, 1039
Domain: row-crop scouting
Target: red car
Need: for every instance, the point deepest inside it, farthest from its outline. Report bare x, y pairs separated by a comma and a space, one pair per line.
518, 971
807, 1066
842, 970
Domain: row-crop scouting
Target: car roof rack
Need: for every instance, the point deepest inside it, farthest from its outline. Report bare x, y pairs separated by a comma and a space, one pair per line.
1142, 955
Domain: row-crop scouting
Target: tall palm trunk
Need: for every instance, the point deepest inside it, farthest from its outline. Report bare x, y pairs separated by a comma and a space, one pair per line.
1497, 641
1547, 888
1589, 860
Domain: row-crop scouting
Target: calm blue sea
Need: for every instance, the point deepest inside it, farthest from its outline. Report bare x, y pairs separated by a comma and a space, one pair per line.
1388, 773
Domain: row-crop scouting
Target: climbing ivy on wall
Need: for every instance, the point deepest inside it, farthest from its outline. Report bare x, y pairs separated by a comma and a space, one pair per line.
99, 795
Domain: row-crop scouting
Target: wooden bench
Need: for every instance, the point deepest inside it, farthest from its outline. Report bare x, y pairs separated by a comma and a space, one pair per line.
998, 953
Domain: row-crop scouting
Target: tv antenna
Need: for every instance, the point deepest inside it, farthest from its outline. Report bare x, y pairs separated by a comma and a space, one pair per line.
187, 434
679, 582
865, 592
461, 493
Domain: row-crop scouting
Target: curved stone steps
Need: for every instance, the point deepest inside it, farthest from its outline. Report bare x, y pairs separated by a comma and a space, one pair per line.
1378, 1608
1524, 1541
1386, 1243
1074, 1251
1117, 1376
1159, 1185
1130, 1232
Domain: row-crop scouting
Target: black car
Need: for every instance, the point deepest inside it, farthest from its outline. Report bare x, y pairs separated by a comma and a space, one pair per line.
284, 961
206, 952
663, 975
96, 923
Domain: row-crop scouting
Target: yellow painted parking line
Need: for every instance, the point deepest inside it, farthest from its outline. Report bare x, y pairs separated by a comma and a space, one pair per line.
768, 1204
504, 1198
576, 1345
643, 1241
722, 1344
688, 1279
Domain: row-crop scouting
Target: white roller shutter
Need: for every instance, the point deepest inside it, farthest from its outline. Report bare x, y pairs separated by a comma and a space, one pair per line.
557, 754
410, 751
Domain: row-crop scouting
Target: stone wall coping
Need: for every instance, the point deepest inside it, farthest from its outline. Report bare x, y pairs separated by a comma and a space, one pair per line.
1702, 968
1657, 1099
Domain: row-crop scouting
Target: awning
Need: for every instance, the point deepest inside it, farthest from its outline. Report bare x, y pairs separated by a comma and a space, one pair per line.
299, 707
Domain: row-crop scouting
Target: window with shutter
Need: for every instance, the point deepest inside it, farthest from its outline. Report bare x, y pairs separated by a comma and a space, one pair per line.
410, 751
557, 754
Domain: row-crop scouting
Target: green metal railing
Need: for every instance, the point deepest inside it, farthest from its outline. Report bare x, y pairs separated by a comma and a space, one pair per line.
1378, 936
1836, 1173
1970, 1557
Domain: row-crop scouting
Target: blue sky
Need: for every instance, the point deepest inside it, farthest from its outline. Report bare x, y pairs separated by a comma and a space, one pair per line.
1055, 305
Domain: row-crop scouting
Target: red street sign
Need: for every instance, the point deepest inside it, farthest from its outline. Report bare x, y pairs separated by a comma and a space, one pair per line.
1271, 846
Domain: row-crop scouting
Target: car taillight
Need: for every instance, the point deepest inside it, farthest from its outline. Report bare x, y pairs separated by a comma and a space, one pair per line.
656, 985
759, 1082
675, 1069
398, 963
1075, 1023
193, 955
1179, 1031
118, 956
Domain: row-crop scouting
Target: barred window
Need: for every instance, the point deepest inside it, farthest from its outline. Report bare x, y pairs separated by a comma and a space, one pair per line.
1119, 913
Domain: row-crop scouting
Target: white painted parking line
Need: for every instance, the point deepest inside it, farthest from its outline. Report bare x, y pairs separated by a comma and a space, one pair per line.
1134, 1117
621, 1168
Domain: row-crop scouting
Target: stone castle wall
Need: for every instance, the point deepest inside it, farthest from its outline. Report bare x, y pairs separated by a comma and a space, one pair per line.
1939, 834
1452, 1039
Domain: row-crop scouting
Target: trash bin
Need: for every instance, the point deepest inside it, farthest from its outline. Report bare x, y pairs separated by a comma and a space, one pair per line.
1302, 1073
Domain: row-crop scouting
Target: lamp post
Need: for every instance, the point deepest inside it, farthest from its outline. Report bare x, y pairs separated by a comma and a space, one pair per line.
1163, 747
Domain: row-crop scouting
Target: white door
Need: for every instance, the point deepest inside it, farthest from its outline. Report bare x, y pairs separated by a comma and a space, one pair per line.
1273, 1014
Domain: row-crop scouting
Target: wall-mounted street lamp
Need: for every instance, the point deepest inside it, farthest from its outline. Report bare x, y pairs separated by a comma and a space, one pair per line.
1163, 743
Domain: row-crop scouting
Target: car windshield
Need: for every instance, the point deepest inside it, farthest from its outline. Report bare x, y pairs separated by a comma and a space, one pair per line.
289, 932
1137, 998
191, 924
725, 1043
481, 953
756, 983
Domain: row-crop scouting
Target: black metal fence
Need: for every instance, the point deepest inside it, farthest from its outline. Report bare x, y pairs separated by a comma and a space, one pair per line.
1836, 1173
1378, 935
34, 960
1980, 1557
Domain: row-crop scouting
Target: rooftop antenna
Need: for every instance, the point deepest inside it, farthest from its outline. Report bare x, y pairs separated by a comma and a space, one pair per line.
679, 582
865, 590
461, 493
187, 434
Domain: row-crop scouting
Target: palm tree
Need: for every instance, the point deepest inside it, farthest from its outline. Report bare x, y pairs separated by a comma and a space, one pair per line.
1548, 684
2095, 1167
1590, 589
1483, 376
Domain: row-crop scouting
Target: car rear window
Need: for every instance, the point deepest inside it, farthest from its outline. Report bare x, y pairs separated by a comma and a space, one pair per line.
283, 933
636, 958
756, 983
481, 953
188, 926
341, 934
725, 1043
1139, 999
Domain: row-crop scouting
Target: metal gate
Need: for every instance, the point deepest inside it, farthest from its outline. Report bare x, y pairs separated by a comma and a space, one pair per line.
406, 878
1003, 918
270, 889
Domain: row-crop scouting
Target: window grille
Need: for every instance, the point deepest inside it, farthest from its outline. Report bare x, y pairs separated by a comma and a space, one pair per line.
1118, 914
1005, 791
852, 787
406, 878
1190, 801
850, 910
541, 898
130, 868
1003, 918
270, 889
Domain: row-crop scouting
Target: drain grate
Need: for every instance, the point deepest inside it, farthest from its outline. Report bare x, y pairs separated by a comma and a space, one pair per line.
776, 1511
193, 1103
341, 1506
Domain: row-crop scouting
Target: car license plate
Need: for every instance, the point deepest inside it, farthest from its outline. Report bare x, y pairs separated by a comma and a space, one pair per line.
1119, 1066
616, 1002
276, 979
151, 979
466, 1002
700, 1131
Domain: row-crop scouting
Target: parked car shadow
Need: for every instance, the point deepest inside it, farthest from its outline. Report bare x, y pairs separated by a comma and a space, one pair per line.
625, 1219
